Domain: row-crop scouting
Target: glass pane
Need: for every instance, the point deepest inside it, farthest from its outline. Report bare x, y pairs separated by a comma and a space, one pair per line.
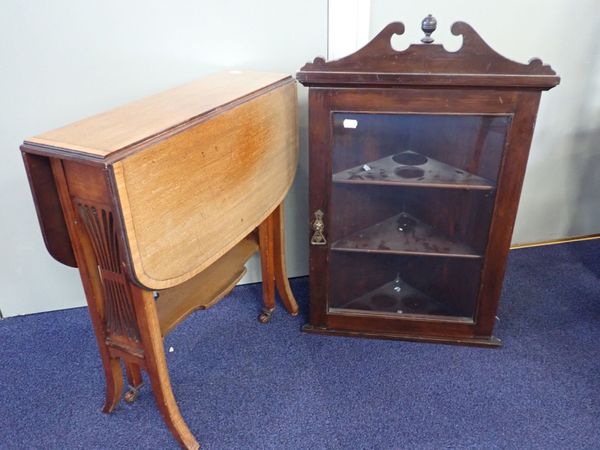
411, 203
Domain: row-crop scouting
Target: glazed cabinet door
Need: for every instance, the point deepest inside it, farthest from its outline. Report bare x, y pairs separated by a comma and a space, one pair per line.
402, 200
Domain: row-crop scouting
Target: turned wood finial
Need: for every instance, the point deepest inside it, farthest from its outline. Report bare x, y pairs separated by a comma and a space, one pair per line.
428, 25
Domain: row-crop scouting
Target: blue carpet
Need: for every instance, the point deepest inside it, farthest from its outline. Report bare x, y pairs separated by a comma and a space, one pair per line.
242, 385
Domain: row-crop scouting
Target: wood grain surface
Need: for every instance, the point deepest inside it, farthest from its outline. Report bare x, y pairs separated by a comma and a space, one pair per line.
188, 199
108, 132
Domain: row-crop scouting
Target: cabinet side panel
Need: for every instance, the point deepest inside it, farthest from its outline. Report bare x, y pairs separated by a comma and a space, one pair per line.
49, 212
510, 182
190, 198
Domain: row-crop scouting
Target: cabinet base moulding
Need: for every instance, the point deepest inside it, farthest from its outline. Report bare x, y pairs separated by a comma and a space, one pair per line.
490, 342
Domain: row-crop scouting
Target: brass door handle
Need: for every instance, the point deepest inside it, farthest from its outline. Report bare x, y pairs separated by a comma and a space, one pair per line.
318, 226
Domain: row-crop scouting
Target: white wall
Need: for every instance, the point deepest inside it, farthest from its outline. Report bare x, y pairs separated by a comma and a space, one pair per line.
63, 60
561, 194
66, 59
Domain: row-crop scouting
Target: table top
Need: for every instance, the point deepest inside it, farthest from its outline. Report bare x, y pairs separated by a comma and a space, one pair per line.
101, 135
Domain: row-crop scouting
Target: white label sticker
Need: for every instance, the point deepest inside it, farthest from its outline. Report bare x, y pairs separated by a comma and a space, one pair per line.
350, 123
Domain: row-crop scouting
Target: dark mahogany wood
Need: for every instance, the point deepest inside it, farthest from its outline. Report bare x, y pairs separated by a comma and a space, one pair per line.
377, 63
441, 136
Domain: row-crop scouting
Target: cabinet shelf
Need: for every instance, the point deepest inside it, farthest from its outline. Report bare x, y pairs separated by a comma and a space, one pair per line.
397, 297
409, 168
418, 238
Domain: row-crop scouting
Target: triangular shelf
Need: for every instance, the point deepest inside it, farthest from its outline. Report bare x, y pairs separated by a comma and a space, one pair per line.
397, 297
418, 238
431, 173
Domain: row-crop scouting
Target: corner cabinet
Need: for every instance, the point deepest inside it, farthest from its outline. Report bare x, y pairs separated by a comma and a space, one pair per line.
416, 164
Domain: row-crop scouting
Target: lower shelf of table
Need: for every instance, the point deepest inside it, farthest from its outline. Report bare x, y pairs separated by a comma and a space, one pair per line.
476, 341
206, 288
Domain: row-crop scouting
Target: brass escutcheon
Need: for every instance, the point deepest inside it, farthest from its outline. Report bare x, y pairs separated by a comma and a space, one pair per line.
318, 226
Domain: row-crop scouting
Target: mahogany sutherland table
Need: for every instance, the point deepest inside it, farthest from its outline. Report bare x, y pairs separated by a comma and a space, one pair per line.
159, 204
417, 159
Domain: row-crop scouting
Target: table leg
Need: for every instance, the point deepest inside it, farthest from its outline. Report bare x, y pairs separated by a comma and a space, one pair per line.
281, 279
271, 241
156, 367
265, 243
92, 287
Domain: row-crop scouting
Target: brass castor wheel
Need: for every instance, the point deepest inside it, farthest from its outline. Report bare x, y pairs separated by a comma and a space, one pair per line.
132, 394
265, 315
